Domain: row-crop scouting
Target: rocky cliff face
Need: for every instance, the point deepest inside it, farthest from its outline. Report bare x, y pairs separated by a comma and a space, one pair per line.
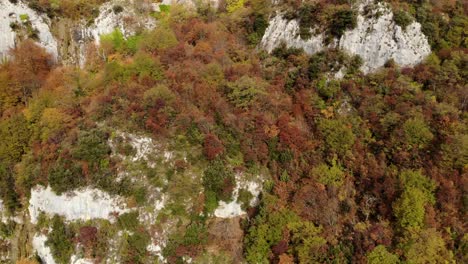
67, 39
84, 204
129, 20
376, 39
18, 20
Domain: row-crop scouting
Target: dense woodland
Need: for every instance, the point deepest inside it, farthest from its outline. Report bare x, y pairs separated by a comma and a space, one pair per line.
365, 169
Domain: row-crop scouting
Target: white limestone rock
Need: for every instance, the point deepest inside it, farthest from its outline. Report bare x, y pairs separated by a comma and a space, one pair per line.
282, 30
233, 208
43, 251
146, 149
68, 40
155, 249
376, 39
77, 205
10, 13
128, 21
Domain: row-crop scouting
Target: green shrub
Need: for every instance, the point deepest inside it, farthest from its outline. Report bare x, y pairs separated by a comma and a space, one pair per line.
417, 132
144, 66
128, 221
316, 62
267, 232
246, 90
328, 88
134, 249
211, 202
105, 180
327, 175
24, 17
65, 176
233, 5
164, 8
162, 37
117, 42
402, 19
217, 178
244, 198
259, 26
117, 9
342, 20
159, 92
140, 195
418, 191
306, 241
339, 137
308, 16
117, 72
427, 246
283, 52
355, 65
43, 221
455, 152
115, 39
132, 44
380, 255
8, 196
16, 129
92, 146
194, 236
194, 135
60, 240
7, 228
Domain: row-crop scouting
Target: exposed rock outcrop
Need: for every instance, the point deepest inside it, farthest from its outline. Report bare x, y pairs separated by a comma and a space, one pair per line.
376, 39
75, 36
234, 208
67, 39
42, 250
77, 205
14, 16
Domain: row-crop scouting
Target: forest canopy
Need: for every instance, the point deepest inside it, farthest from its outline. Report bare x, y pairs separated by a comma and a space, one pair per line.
363, 169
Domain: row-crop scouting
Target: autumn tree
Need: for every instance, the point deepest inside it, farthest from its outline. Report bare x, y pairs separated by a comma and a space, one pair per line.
338, 136
417, 193
306, 241
8, 194
29, 67
329, 175
427, 246
17, 131
212, 146
380, 255
245, 91
417, 133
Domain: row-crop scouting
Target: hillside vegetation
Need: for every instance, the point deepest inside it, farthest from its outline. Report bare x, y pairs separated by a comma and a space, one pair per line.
363, 169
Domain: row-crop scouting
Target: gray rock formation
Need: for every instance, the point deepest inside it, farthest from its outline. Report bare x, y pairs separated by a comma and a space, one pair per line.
64, 38
14, 16
376, 39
